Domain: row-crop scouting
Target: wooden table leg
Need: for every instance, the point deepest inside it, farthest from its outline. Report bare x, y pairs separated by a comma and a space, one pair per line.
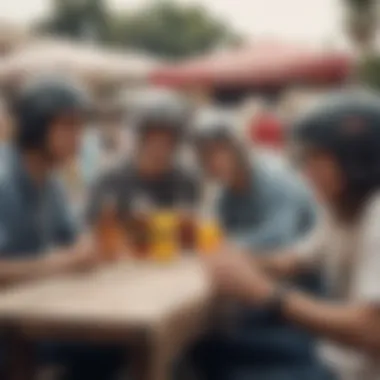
151, 361
153, 356
20, 358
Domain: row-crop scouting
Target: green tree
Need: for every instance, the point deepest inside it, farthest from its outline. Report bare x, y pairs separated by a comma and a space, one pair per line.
78, 19
362, 21
164, 28
370, 71
171, 30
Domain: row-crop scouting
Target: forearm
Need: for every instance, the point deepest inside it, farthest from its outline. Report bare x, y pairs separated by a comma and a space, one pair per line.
352, 325
57, 261
300, 257
281, 265
73, 257
15, 271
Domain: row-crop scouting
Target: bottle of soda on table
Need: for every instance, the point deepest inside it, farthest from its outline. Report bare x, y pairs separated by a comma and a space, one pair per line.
187, 228
209, 232
138, 227
109, 233
165, 244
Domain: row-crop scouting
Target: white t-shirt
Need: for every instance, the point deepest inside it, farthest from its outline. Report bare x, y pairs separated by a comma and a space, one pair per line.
350, 257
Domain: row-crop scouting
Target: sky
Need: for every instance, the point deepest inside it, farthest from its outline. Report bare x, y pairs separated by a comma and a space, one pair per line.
314, 21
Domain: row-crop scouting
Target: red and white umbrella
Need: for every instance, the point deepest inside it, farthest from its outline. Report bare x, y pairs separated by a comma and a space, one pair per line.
262, 63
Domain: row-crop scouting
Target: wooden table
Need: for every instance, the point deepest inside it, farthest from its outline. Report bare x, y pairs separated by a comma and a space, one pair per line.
157, 309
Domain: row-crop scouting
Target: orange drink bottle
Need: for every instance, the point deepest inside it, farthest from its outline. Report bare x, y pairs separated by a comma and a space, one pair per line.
109, 233
137, 235
139, 228
164, 236
209, 237
187, 228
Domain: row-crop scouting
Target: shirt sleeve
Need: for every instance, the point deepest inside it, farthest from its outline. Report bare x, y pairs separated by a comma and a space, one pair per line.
6, 233
288, 218
366, 285
90, 157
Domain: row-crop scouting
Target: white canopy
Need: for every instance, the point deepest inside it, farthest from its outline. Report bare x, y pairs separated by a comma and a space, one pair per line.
89, 62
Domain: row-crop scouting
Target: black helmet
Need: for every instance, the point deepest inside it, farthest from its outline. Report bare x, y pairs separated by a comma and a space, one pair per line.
348, 127
39, 102
163, 110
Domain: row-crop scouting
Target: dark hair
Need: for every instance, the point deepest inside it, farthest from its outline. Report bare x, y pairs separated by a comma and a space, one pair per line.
39, 103
347, 126
355, 196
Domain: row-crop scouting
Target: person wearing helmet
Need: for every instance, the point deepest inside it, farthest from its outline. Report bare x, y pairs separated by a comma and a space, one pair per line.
262, 208
150, 177
337, 145
48, 116
38, 236
153, 172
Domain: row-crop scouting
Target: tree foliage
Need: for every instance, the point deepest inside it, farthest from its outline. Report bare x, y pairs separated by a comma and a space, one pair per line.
362, 21
164, 28
369, 72
360, 4
78, 19
172, 30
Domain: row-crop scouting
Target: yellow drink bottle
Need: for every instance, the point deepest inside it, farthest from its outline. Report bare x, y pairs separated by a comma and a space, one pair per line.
209, 237
164, 236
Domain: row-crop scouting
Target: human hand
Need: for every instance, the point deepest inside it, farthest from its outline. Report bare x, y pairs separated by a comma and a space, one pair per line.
236, 275
80, 257
84, 256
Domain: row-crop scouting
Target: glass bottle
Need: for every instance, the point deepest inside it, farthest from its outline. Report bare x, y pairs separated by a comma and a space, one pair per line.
187, 227
109, 232
138, 226
209, 237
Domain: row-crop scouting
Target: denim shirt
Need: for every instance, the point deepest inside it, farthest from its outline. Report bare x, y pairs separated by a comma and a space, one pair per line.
275, 211
90, 156
33, 218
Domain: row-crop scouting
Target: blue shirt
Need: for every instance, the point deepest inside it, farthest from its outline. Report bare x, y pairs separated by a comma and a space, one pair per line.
33, 218
90, 155
276, 210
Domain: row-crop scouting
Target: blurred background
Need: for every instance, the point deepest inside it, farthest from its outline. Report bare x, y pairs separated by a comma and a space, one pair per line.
215, 50
261, 60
